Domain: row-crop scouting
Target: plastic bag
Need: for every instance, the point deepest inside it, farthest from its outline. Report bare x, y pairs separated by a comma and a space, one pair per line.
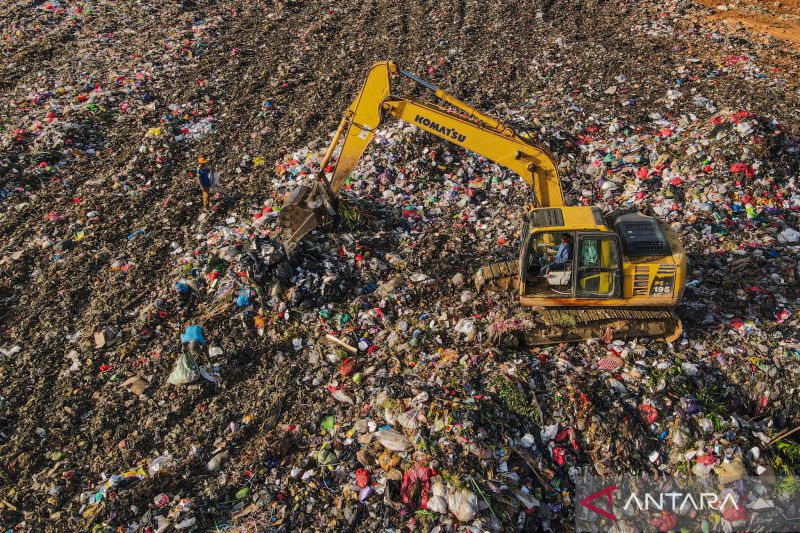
408, 419
160, 464
463, 504
437, 504
393, 440
789, 235
186, 371
416, 484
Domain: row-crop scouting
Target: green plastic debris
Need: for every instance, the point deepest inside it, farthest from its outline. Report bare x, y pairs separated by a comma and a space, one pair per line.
343, 318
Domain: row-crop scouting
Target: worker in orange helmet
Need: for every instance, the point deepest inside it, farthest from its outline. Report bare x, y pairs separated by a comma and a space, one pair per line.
203, 175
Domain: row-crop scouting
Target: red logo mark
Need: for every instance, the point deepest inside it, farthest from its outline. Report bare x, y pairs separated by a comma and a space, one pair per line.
605, 492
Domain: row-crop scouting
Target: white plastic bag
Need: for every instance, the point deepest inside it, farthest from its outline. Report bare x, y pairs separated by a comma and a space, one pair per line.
463, 504
393, 440
186, 371
789, 236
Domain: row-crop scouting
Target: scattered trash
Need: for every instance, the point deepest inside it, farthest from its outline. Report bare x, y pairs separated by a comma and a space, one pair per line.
135, 385
352, 386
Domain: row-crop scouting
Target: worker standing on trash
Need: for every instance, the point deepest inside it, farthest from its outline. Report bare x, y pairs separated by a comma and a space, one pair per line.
203, 175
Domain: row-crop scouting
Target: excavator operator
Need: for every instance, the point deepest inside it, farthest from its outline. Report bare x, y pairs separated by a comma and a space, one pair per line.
563, 255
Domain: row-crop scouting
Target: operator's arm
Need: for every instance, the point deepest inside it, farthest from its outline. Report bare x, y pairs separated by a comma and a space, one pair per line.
564, 253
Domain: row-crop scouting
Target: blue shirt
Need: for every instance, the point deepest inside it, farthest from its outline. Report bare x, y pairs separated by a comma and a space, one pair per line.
564, 253
205, 176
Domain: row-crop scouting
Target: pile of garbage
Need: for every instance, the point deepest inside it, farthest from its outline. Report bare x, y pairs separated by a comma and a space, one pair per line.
169, 367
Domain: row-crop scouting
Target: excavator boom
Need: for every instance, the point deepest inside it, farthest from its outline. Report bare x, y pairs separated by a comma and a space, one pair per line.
469, 128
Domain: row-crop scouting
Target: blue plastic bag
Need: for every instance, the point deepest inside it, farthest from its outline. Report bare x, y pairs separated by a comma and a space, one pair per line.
244, 298
193, 333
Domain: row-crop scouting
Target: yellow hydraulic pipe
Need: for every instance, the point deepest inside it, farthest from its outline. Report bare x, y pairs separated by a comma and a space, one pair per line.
486, 119
332, 146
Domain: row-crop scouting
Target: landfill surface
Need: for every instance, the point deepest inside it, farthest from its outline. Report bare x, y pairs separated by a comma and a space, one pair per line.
351, 387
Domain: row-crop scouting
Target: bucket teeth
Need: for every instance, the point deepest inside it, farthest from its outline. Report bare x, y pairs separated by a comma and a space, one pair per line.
305, 209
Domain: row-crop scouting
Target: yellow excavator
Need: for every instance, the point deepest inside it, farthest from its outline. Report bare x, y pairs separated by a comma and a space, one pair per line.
585, 276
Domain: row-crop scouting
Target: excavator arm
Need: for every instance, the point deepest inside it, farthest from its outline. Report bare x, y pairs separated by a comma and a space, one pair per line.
306, 207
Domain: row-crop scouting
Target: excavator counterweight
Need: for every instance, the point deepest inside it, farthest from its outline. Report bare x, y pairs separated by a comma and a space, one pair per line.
586, 275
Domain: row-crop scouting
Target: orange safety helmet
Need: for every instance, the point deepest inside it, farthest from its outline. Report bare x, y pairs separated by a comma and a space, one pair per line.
202, 160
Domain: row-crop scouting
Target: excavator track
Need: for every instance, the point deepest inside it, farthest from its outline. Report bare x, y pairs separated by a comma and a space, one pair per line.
575, 324
498, 277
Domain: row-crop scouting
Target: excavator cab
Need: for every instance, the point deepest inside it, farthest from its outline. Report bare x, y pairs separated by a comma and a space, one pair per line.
585, 264
570, 256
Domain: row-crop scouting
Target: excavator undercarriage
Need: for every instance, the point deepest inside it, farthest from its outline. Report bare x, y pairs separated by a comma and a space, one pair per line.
552, 325
574, 324
579, 275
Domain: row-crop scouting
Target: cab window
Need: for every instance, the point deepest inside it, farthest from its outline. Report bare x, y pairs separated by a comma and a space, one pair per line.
549, 259
598, 265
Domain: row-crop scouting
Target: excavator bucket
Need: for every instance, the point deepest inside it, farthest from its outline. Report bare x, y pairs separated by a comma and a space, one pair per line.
305, 209
308, 207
